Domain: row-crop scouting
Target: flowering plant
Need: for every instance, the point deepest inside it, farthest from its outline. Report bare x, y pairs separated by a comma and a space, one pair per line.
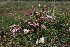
35, 23
43, 25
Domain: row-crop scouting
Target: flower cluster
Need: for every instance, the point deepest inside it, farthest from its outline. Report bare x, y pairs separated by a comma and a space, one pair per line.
14, 28
34, 22
40, 41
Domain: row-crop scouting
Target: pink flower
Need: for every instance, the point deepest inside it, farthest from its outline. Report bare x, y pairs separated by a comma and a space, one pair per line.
32, 24
36, 12
36, 24
43, 26
43, 17
45, 6
14, 25
49, 17
27, 31
15, 29
29, 22
44, 12
41, 40
27, 14
26, 20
